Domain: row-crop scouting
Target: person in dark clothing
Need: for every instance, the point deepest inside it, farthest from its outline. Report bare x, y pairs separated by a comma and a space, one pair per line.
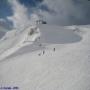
43, 52
39, 54
54, 49
40, 45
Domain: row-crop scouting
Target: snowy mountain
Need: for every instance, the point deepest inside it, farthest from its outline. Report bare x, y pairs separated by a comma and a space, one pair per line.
46, 57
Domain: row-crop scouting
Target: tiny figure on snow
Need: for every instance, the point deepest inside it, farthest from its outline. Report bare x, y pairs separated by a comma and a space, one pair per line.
43, 52
40, 45
39, 38
54, 49
39, 54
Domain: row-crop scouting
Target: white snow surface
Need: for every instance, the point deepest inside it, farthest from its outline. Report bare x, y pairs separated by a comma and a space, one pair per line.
30, 62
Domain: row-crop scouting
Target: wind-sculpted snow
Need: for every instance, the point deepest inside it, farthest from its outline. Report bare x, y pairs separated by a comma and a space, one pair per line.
15, 39
67, 67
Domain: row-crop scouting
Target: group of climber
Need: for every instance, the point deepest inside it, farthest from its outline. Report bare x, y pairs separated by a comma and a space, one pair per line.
43, 52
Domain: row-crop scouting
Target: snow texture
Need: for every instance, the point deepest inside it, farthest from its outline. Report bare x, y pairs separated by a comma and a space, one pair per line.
51, 58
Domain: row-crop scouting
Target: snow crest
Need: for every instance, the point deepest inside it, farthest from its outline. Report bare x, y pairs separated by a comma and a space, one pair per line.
15, 39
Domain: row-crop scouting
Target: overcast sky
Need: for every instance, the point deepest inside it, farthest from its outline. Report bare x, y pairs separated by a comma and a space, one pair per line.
59, 12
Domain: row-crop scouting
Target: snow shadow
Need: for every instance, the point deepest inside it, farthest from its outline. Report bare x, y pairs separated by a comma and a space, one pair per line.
58, 35
26, 49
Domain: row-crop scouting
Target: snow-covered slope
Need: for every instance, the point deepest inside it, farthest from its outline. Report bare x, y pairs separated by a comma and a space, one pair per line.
58, 60
15, 39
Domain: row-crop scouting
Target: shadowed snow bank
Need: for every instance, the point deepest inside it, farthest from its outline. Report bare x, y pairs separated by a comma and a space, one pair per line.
58, 35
